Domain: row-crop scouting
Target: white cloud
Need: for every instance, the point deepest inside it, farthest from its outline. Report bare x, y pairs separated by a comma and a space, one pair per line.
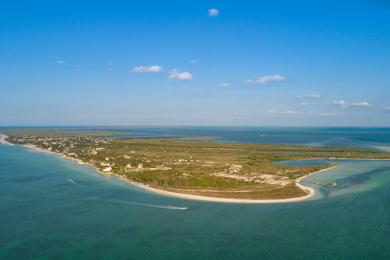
387, 108
305, 104
213, 12
77, 65
340, 103
344, 104
195, 61
147, 69
313, 96
60, 62
175, 74
224, 84
110, 63
288, 112
360, 104
265, 79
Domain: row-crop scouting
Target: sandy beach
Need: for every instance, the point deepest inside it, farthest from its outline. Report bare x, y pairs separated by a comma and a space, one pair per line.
33, 147
3, 138
310, 191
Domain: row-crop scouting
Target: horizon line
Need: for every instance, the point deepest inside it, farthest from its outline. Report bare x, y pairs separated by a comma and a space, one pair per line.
189, 126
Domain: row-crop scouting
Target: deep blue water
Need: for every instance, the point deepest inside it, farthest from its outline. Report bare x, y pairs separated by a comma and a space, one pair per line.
52, 208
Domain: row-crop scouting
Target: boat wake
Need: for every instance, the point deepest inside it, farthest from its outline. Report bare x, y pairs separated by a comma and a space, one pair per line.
74, 182
133, 203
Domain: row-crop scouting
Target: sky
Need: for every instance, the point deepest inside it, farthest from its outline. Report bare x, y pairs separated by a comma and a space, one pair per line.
177, 63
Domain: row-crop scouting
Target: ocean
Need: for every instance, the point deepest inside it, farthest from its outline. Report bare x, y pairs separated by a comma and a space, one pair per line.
53, 208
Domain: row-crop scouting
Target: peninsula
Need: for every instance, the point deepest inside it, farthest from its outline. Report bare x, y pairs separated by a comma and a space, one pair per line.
196, 168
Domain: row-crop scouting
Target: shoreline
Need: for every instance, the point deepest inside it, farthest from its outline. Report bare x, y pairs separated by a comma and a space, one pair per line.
78, 161
63, 156
311, 191
3, 141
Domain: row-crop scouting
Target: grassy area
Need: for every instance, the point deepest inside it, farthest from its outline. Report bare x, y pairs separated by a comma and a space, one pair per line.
194, 165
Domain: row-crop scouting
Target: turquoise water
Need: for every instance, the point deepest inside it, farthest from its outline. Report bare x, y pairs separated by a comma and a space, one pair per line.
52, 208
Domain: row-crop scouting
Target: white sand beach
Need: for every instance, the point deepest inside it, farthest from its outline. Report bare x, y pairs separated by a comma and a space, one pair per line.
3, 140
310, 191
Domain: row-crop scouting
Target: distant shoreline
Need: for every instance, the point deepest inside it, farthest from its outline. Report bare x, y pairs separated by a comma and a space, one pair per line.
310, 191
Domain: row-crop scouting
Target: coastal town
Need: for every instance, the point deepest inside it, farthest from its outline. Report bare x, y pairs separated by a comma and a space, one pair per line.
192, 166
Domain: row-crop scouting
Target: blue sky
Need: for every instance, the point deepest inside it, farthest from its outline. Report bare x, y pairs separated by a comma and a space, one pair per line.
195, 63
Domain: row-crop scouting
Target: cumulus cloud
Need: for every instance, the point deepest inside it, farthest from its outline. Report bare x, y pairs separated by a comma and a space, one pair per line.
313, 96
265, 79
213, 12
147, 69
175, 74
195, 61
224, 84
344, 104
60, 62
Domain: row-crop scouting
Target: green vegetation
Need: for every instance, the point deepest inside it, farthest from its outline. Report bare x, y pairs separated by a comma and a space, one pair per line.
194, 165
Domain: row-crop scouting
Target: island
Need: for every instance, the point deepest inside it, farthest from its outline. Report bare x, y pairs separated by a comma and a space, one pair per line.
197, 167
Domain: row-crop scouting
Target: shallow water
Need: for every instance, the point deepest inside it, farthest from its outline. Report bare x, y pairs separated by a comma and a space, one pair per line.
52, 208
